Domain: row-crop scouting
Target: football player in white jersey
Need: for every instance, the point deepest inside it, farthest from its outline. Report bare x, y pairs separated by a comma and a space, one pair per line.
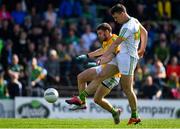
130, 36
129, 39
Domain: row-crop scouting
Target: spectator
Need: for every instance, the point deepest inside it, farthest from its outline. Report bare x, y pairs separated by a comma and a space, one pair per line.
71, 38
71, 50
175, 46
146, 71
21, 45
37, 75
4, 14
52, 66
83, 23
150, 90
150, 27
48, 29
27, 23
176, 93
35, 17
30, 53
173, 81
159, 73
88, 10
140, 12
3, 86
56, 37
159, 70
173, 84
7, 52
151, 9
173, 67
15, 36
18, 14
162, 51
89, 37
14, 67
50, 15
39, 4
148, 68
5, 31
14, 87
65, 61
70, 8
167, 28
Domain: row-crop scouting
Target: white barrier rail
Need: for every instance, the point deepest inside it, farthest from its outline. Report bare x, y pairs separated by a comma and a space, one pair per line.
7, 108
29, 107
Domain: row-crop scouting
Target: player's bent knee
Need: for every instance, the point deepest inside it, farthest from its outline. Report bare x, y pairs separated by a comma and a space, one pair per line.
80, 77
97, 100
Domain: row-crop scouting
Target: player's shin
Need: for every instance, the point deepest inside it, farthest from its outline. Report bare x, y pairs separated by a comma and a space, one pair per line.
128, 89
81, 83
134, 113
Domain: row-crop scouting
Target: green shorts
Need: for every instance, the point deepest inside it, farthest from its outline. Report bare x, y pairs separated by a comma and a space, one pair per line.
111, 82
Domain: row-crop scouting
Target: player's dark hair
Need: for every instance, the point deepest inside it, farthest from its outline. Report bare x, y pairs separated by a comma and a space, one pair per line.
118, 8
104, 26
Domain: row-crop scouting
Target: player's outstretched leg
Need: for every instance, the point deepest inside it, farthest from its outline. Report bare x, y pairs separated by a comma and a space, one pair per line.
78, 100
83, 78
99, 99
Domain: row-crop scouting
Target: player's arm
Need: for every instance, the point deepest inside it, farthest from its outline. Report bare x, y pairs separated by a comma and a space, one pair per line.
93, 54
114, 45
96, 53
124, 34
144, 37
106, 60
111, 52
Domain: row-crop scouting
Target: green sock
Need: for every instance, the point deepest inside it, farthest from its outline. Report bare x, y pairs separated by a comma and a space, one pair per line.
83, 96
113, 111
134, 114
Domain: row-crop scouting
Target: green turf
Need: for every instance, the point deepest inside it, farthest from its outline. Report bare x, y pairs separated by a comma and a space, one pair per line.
86, 123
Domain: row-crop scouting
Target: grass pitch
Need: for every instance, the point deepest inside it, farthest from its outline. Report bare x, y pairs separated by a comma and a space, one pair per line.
86, 123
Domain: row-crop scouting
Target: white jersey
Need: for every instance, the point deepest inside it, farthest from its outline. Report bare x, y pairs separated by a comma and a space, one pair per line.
130, 32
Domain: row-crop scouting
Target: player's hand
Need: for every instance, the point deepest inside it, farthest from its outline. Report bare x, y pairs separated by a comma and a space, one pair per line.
82, 57
92, 64
102, 60
105, 59
141, 53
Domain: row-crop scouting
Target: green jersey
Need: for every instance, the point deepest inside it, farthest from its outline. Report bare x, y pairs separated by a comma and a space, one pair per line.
36, 73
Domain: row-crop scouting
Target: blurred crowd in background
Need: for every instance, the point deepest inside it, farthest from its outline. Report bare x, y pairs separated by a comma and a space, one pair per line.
40, 39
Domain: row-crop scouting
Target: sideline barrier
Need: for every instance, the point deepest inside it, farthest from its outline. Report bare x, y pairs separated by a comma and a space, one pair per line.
7, 108
31, 107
